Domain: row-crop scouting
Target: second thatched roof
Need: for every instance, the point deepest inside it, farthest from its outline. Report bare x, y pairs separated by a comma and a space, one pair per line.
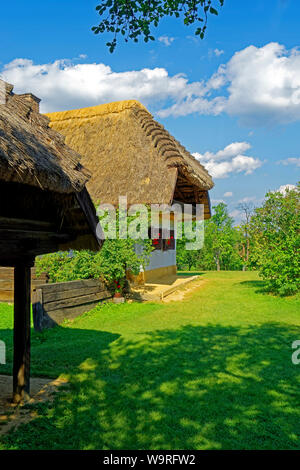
130, 154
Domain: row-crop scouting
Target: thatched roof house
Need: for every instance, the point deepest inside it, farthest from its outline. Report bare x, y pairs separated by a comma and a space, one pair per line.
44, 207
42, 178
129, 153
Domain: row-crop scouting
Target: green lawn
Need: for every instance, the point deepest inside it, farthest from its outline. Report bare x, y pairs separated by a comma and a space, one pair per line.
211, 372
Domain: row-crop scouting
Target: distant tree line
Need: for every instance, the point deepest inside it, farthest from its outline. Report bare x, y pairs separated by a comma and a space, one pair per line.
267, 240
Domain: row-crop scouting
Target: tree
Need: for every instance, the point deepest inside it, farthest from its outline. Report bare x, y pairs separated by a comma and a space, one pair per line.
133, 18
185, 258
119, 256
275, 234
221, 245
221, 239
247, 209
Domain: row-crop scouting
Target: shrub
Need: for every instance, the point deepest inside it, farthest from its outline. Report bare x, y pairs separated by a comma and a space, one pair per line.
275, 229
109, 264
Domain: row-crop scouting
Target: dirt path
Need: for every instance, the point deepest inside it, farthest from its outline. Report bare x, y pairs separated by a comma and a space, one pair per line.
166, 289
13, 415
184, 291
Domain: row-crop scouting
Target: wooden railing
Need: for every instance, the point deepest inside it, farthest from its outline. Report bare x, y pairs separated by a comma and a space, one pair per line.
54, 303
7, 283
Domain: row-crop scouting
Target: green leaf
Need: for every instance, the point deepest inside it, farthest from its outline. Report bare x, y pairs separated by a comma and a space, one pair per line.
213, 11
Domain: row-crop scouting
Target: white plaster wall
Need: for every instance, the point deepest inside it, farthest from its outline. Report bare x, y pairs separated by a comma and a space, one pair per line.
161, 259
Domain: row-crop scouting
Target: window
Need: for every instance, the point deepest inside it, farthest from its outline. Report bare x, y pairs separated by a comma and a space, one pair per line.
169, 241
157, 243
165, 241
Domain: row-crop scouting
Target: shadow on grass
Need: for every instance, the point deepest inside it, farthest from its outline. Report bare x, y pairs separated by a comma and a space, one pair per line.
58, 350
258, 286
190, 273
216, 387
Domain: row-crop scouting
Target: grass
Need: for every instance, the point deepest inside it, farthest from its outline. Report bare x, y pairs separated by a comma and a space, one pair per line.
211, 372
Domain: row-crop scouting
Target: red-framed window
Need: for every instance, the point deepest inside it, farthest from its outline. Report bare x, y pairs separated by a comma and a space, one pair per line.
157, 242
164, 241
169, 242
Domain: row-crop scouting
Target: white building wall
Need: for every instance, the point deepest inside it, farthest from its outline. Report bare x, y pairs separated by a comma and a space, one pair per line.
161, 259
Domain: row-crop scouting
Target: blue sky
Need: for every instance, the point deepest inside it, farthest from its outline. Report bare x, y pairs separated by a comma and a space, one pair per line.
232, 99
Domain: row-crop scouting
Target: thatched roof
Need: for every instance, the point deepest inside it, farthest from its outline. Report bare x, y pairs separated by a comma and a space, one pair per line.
47, 206
130, 154
33, 153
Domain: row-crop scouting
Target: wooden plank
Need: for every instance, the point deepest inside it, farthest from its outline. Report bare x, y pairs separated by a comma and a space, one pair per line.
6, 284
11, 250
64, 286
74, 301
6, 277
21, 361
13, 244
7, 296
37, 282
25, 224
50, 296
9, 234
8, 273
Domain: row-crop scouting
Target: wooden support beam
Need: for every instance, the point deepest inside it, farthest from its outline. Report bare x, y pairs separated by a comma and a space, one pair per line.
179, 193
13, 244
25, 224
21, 235
21, 364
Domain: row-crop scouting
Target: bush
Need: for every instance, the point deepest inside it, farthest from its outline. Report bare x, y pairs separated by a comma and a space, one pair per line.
109, 264
275, 229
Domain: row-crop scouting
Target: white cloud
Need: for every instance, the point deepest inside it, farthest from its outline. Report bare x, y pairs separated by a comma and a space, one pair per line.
260, 85
229, 160
228, 194
247, 199
166, 40
218, 52
215, 53
286, 187
194, 105
65, 85
264, 84
290, 161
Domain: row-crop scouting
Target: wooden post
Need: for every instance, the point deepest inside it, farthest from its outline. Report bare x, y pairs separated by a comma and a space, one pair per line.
37, 309
21, 365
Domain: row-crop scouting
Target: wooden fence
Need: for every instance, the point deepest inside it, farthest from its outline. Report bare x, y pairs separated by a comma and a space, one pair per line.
7, 283
53, 303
